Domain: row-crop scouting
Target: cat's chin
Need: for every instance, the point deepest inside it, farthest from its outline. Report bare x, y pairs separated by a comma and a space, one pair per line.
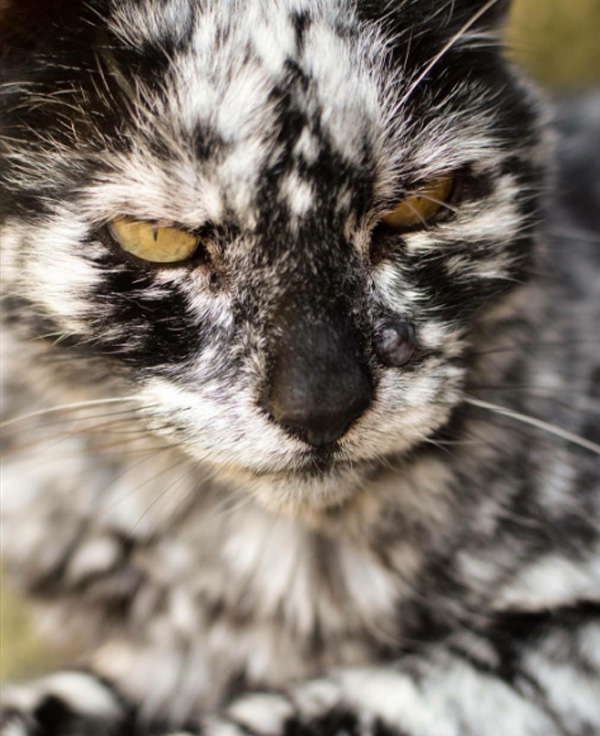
316, 487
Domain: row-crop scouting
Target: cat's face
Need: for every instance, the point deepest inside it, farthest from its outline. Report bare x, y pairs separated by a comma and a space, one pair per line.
305, 337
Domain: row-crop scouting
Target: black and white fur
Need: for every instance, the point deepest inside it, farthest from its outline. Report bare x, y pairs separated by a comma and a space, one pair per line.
435, 571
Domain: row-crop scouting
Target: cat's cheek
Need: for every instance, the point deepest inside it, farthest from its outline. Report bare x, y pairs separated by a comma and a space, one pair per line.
408, 409
45, 260
222, 428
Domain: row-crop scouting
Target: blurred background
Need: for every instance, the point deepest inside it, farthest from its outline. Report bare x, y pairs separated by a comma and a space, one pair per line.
558, 43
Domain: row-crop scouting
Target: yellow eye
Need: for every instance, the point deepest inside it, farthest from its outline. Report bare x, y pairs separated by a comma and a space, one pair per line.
148, 241
420, 207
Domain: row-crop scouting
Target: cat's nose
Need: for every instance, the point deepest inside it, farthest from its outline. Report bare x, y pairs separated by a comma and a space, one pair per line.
320, 384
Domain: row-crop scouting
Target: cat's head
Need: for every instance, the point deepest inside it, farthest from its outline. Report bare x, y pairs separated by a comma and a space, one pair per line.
276, 222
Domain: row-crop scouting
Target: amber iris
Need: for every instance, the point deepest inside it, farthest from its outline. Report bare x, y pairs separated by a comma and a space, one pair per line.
150, 242
422, 206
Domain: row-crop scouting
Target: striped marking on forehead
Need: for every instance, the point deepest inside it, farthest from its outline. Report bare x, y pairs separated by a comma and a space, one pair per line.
265, 101
230, 68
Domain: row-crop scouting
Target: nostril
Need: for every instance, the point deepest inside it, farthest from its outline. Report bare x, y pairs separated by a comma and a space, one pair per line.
314, 429
395, 342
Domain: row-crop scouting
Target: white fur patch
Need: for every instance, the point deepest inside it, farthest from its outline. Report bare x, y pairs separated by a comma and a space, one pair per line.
264, 714
552, 581
448, 695
80, 692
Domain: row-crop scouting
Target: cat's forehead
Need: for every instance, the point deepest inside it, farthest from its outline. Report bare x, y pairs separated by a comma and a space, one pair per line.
241, 111
286, 92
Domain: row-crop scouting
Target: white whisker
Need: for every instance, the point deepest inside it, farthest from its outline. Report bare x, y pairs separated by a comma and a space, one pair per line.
539, 423
67, 407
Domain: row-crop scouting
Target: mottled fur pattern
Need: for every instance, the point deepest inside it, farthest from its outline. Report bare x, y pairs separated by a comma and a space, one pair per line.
434, 572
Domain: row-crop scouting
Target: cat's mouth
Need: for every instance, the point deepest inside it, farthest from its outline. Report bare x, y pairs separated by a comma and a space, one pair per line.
323, 463
331, 462
314, 464
323, 480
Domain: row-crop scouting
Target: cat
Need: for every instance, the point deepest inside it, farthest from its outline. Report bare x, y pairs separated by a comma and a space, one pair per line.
301, 369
